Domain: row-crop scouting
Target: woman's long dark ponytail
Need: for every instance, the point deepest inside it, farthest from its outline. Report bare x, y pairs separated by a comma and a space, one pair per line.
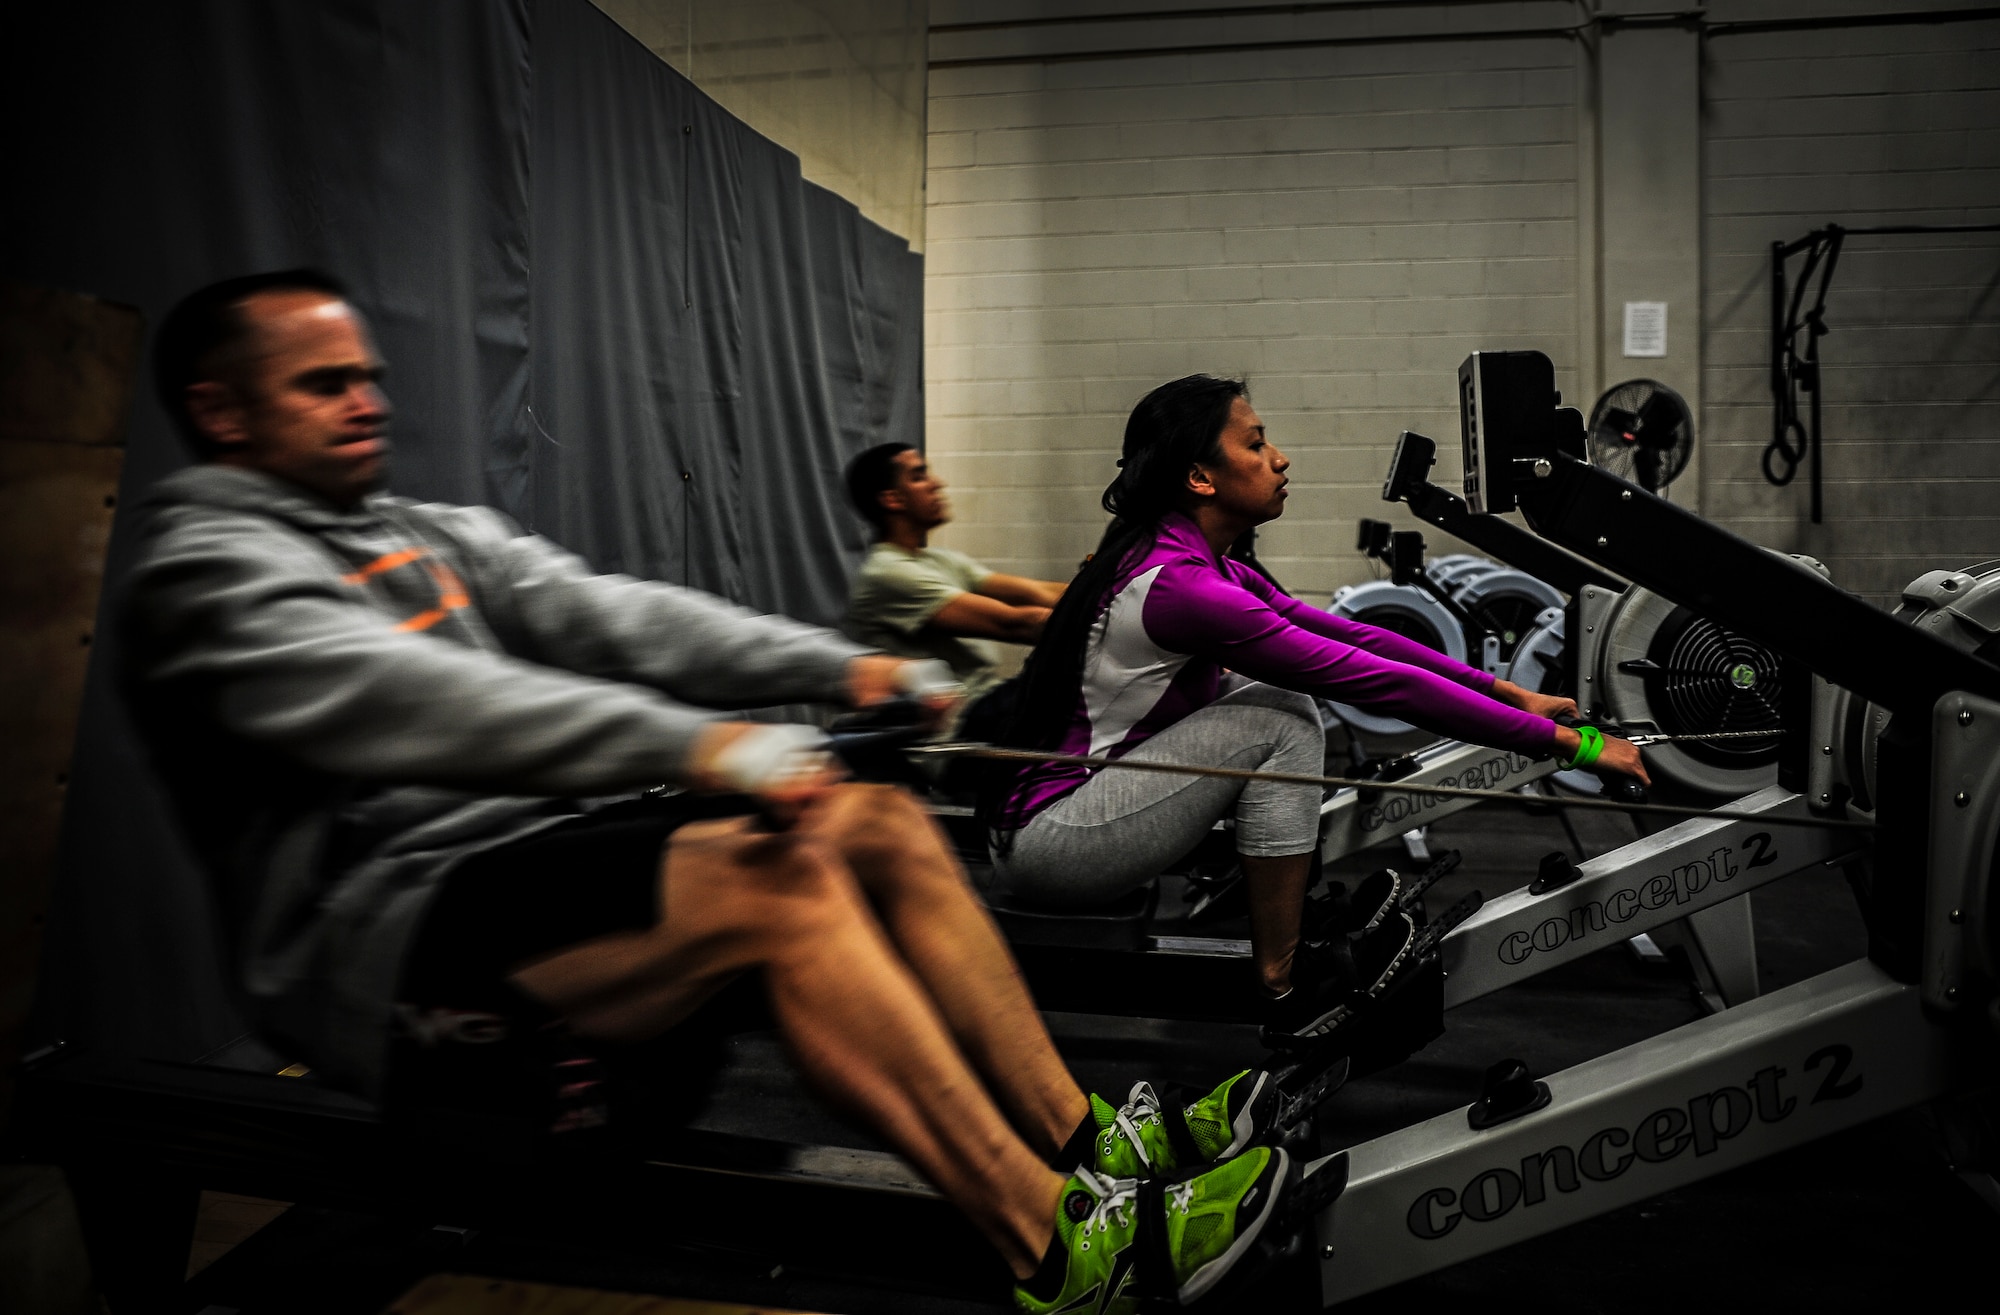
1171, 429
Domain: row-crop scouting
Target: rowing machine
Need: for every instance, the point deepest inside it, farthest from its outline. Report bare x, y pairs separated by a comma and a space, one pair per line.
1695, 870
1913, 1021
1629, 654
1625, 653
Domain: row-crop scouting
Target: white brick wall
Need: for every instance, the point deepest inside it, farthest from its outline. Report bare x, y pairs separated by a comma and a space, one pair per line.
1861, 126
1339, 225
840, 82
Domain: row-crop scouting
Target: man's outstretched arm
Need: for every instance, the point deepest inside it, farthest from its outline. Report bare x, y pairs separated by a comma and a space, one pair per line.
1020, 590
1009, 608
977, 616
548, 604
260, 623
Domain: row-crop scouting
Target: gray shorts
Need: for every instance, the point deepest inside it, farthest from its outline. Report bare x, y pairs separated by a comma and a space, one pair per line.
1119, 829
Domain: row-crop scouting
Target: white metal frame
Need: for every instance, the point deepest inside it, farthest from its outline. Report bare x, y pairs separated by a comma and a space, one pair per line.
1826, 1054
1348, 824
1684, 885
1698, 869
1829, 1053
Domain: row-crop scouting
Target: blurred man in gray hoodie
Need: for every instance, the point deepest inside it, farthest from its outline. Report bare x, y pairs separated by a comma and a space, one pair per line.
379, 720
376, 718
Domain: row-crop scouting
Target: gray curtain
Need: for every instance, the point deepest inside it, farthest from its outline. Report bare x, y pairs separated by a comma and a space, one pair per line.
609, 308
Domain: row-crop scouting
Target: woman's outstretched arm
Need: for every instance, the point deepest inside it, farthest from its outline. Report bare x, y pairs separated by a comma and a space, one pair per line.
1192, 610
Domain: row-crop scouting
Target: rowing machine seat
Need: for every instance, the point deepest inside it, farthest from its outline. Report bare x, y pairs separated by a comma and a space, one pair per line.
1119, 925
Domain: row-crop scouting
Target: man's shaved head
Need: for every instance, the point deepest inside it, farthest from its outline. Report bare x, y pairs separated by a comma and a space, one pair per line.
206, 336
278, 373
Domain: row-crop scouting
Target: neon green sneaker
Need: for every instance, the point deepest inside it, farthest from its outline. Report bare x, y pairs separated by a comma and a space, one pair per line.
1119, 1241
1142, 1140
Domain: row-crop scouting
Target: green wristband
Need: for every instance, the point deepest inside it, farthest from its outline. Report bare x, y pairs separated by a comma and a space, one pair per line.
1590, 743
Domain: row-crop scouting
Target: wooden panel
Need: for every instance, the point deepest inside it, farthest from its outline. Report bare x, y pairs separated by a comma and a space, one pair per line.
66, 367
469, 1294
42, 1264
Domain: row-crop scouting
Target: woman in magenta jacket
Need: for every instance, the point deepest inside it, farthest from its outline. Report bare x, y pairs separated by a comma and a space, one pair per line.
1166, 649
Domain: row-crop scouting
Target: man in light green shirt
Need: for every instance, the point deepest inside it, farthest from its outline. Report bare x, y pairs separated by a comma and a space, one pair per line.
916, 601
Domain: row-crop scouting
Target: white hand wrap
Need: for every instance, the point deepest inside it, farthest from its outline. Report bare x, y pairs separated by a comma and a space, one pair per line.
771, 757
930, 678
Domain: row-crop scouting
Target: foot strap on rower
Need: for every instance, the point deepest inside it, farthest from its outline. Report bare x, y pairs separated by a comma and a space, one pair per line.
1173, 1117
1367, 1006
1304, 1086
1078, 1150
1440, 867
1444, 924
1156, 1260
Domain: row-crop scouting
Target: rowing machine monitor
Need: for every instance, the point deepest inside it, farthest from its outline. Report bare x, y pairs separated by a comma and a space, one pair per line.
1409, 466
1514, 425
1409, 482
1403, 550
1406, 560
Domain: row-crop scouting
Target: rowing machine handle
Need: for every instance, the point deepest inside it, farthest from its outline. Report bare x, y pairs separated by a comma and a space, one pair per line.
870, 743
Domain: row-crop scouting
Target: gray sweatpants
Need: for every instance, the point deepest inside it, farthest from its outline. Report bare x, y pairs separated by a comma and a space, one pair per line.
1119, 829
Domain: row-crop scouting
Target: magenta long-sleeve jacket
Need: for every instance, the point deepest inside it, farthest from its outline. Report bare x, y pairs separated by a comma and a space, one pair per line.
1177, 619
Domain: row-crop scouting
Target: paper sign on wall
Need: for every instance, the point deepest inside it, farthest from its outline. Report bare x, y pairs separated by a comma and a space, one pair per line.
1645, 328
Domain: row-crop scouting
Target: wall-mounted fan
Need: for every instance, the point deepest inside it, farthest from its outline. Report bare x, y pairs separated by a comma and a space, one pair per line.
1642, 431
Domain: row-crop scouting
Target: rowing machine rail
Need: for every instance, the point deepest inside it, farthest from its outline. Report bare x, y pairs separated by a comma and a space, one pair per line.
1700, 864
1349, 823
1669, 549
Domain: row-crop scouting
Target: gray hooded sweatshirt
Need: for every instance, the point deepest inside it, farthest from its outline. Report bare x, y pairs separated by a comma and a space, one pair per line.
344, 704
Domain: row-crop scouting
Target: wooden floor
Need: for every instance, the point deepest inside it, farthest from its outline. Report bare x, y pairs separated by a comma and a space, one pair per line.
225, 1220
468, 1294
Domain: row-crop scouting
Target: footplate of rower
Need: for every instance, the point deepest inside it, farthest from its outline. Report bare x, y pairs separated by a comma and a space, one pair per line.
1387, 1025
1379, 1033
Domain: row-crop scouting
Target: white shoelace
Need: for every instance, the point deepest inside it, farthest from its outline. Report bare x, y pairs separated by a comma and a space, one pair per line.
1113, 1195
1141, 1104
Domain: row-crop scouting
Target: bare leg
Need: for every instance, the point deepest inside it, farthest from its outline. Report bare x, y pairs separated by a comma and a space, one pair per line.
907, 867
1277, 890
863, 1029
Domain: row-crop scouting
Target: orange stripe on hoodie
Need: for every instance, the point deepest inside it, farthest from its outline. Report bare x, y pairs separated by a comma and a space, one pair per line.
451, 597
381, 565
451, 590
